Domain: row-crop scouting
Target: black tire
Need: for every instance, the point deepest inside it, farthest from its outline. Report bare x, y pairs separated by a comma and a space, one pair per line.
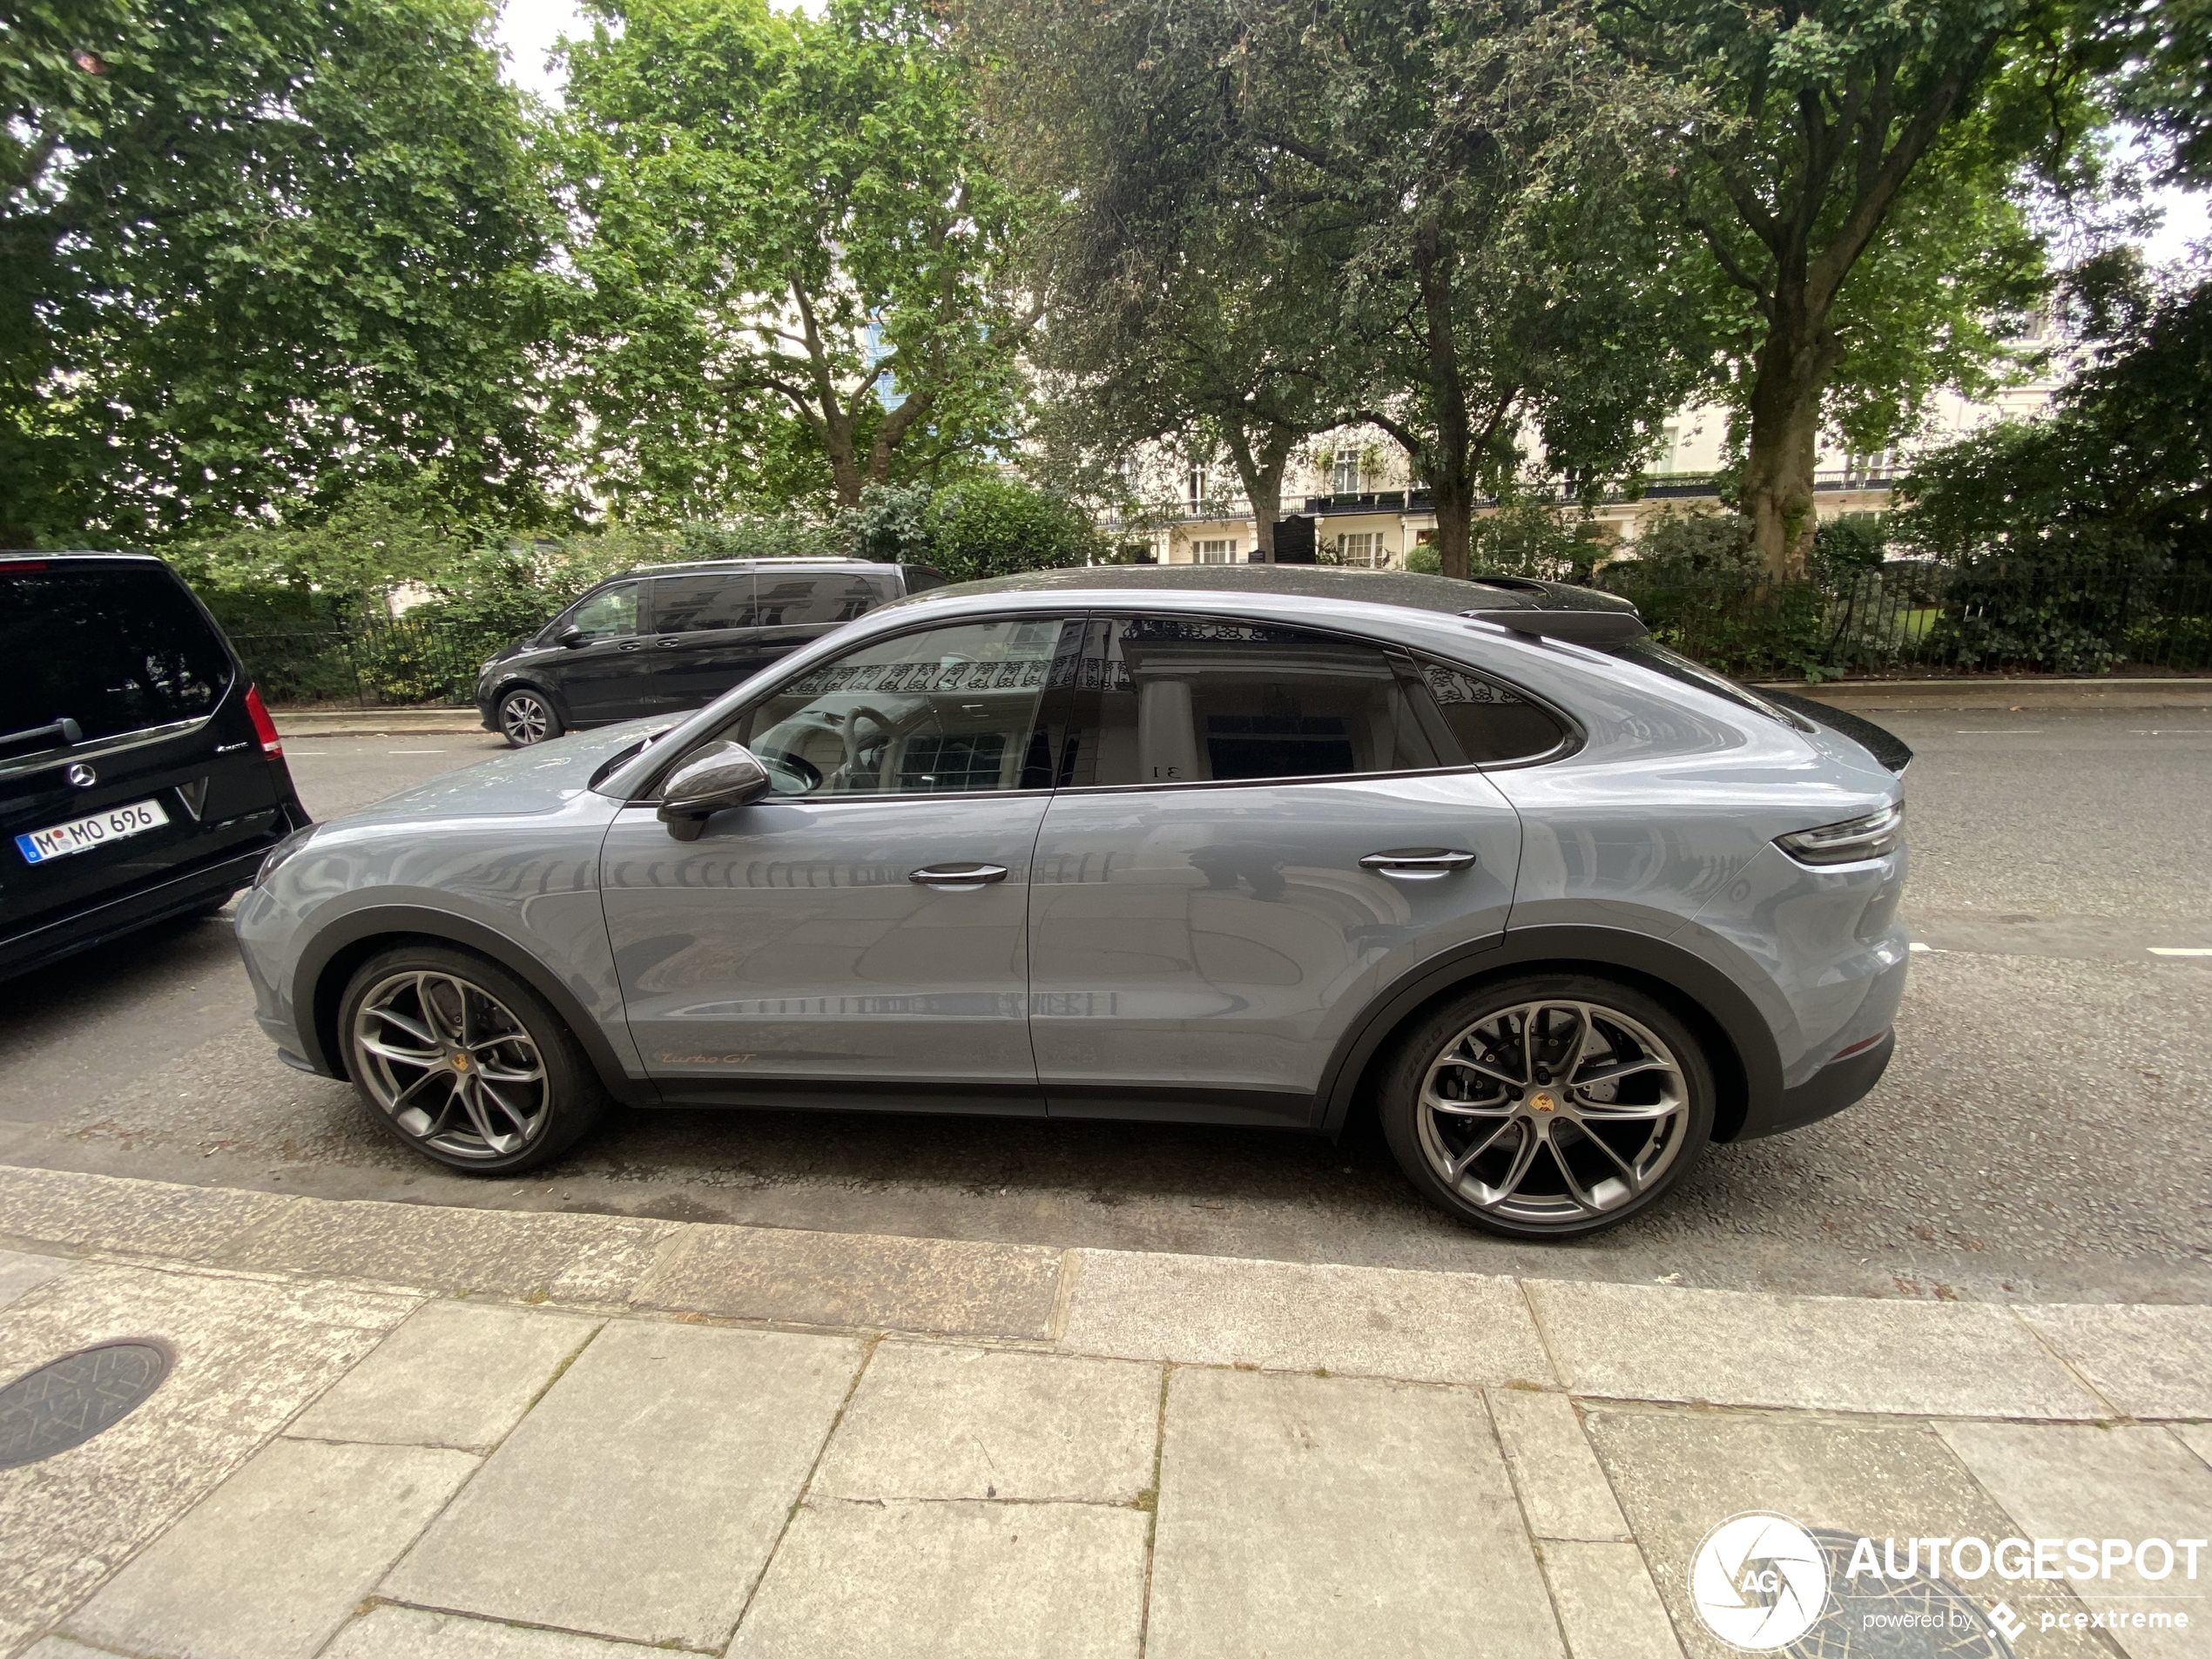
526, 715
499, 1031
1588, 1156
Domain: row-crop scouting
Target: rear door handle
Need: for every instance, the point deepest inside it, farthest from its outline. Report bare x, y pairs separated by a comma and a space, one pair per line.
1417, 863
958, 876
633, 644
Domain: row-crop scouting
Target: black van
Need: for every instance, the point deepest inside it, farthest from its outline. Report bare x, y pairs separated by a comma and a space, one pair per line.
670, 638
140, 777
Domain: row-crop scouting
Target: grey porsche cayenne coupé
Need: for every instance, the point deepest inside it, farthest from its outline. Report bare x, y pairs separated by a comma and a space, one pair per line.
1260, 845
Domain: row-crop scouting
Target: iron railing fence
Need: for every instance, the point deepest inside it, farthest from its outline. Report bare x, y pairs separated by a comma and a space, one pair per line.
373, 662
1907, 617
1903, 619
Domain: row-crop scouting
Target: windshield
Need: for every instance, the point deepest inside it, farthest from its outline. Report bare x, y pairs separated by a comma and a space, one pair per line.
115, 647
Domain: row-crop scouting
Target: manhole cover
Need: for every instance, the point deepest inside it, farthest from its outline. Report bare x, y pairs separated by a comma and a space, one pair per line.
66, 1403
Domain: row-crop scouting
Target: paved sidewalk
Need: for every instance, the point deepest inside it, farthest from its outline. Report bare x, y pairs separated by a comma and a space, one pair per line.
398, 1432
2035, 693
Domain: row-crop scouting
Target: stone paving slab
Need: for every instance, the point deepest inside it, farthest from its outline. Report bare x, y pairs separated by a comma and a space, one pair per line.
249, 1354
131, 1217
2150, 1361
642, 1496
497, 1253
942, 1422
1363, 1321
1608, 1608
1338, 1516
1563, 1490
946, 1286
389, 1632
20, 1275
1680, 1473
1817, 1352
277, 1557
983, 1580
2126, 1483
457, 1374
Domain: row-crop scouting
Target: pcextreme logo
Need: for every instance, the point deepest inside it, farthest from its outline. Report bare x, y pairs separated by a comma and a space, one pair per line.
1759, 1581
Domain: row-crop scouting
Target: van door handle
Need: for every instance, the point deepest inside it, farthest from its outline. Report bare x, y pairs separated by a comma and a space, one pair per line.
633, 644
1417, 863
958, 877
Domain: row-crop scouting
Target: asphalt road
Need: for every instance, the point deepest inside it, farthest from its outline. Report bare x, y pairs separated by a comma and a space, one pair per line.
2042, 1132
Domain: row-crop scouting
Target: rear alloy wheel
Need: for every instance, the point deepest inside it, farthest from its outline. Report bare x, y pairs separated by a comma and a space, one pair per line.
1548, 1107
525, 718
465, 1063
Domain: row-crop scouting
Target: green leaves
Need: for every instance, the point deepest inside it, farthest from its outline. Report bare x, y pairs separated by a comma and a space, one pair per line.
792, 260
260, 252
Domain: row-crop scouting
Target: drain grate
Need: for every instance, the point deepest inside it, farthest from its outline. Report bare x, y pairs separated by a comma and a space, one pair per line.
66, 1403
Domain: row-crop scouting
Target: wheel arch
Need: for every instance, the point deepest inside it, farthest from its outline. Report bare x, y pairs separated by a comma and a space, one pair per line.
525, 682
328, 965
1746, 1064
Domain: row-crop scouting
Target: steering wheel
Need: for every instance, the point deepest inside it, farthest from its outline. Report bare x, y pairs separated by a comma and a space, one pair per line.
849, 733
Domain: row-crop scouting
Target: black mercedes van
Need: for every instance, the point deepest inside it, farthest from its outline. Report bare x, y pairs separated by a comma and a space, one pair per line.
140, 777
669, 638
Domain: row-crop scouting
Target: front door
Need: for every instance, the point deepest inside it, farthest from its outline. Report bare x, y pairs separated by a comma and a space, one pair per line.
866, 924
1257, 828
607, 674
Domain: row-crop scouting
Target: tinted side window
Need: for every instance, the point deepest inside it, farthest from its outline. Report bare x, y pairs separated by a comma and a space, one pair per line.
1493, 723
945, 710
115, 649
684, 605
608, 614
1185, 699
802, 598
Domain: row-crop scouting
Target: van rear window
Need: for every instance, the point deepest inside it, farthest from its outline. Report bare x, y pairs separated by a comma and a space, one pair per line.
115, 647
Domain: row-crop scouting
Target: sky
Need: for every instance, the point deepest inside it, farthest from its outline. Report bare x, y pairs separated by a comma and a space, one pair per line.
529, 27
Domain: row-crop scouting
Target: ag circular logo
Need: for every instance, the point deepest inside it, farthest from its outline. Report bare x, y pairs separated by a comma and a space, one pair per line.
1759, 1581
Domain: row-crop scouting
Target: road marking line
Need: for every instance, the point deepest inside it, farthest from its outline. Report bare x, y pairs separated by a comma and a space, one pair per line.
2179, 950
1917, 945
415, 752
1997, 731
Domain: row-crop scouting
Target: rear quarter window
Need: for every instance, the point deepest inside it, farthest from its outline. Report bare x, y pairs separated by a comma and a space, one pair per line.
115, 649
1495, 726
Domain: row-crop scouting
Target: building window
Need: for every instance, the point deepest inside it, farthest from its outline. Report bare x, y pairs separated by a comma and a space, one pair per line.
1670, 448
1363, 548
1347, 480
1196, 485
1222, 552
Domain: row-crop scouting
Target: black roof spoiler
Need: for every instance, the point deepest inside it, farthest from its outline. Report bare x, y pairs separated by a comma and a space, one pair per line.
1575, 627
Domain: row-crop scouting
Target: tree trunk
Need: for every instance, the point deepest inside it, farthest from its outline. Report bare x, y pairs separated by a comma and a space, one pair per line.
1261, 473
1454, 499
1791, 365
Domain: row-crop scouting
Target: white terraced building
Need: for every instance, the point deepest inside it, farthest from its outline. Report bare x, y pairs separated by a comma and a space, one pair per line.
1356, 488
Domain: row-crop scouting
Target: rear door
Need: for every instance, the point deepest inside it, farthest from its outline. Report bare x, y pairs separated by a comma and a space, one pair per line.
1255, 829
705, 640
128, 759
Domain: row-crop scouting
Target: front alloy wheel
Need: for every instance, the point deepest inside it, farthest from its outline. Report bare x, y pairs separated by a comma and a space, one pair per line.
1551, 1108
463, 1062
526, 718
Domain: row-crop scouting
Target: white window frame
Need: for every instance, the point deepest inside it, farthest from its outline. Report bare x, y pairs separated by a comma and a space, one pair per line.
1363, 550
1346, 480
1214, 550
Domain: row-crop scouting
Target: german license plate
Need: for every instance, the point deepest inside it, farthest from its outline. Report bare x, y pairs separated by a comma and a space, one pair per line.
83, 834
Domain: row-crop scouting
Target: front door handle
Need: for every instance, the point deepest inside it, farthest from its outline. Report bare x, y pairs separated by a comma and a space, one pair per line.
958, 877
1417, 863
633, 644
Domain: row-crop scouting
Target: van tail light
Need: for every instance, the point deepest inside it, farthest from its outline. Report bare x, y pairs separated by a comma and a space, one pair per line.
263, 727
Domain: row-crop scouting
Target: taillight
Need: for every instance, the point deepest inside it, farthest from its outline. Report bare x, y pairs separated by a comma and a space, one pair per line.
263, 727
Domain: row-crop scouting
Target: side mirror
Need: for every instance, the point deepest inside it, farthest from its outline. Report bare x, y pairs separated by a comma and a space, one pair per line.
572, 636
717, 777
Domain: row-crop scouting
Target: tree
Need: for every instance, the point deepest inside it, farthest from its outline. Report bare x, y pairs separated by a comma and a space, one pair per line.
793, 259
1508, 277
2119, 473
1190, 277
1841, 156
255, 253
